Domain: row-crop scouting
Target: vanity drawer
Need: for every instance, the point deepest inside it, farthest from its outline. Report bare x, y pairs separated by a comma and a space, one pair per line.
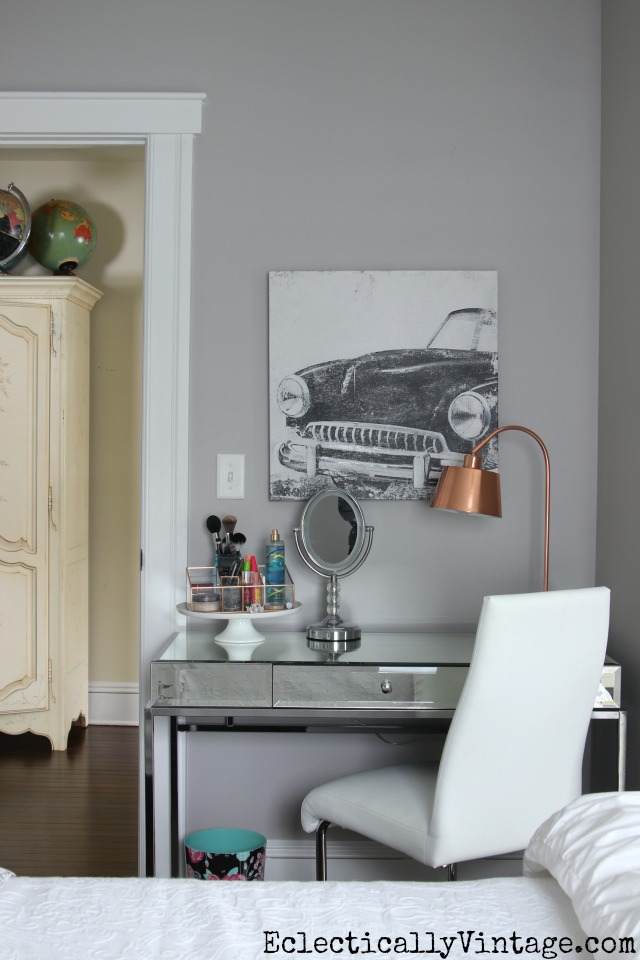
211, 684
342, 686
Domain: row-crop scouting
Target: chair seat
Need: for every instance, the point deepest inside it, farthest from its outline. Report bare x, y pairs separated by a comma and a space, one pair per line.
397, 811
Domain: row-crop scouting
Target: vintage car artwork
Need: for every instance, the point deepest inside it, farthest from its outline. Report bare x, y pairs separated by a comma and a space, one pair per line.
384, 424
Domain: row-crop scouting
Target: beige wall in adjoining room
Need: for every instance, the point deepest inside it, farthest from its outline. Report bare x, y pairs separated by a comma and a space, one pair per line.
109, 184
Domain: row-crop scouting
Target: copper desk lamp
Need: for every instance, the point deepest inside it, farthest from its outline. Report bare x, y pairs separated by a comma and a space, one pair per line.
471, 489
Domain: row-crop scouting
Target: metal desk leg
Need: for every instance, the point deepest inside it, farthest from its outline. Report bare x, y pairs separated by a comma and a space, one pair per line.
149, 826
173, 796
622, 751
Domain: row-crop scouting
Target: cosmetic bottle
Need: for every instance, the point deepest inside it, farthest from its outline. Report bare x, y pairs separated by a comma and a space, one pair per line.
257, 592
246, 580
274, 573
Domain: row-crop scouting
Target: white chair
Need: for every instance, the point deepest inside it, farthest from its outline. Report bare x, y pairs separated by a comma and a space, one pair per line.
513, 753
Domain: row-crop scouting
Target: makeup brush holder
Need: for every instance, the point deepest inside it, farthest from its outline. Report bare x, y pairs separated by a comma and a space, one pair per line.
227, 562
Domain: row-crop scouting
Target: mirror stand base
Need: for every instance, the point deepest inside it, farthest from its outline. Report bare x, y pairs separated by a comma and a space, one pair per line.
336, 638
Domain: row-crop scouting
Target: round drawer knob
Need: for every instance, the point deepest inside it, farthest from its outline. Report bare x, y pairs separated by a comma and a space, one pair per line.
386, 687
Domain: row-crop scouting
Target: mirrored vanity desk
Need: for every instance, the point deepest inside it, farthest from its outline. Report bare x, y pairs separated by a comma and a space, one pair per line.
389, 682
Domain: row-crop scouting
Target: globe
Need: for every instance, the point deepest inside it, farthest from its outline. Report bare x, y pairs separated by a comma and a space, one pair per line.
15, 224
63, 236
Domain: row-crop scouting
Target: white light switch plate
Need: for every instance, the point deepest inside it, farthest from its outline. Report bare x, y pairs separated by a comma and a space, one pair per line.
230, 476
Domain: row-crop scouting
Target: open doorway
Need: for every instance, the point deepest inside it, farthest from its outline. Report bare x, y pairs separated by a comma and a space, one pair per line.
165, 124
109, 182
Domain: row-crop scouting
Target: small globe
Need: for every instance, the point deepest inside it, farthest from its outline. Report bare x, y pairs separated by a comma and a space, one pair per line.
15, 224
63, 236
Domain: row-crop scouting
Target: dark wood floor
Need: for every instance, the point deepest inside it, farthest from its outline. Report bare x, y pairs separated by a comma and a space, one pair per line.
73, 812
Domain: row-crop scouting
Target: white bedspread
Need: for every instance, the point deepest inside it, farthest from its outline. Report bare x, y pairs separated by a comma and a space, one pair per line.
118, 919
591, 849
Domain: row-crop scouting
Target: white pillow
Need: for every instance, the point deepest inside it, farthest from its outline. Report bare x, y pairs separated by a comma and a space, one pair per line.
592, 848
5, 875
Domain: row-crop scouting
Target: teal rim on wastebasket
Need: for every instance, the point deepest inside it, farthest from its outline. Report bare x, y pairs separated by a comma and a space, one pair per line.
225, 840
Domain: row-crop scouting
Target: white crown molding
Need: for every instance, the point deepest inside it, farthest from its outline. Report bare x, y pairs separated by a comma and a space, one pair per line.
100, 113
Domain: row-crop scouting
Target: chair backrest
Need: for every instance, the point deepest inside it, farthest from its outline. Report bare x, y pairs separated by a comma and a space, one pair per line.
513, 754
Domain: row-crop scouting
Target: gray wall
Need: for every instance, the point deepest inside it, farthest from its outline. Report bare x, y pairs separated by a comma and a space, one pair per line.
370, 134
618, 509
378, 134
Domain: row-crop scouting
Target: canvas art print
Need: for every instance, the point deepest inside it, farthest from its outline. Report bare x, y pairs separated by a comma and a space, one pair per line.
379, 379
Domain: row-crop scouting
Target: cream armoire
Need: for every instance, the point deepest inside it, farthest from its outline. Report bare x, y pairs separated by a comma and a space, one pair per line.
44, 504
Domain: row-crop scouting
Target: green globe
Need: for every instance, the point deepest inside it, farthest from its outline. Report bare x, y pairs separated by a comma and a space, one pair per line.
62, 237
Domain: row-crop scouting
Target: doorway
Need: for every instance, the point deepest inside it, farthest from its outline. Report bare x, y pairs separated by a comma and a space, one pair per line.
165, 125
108, 181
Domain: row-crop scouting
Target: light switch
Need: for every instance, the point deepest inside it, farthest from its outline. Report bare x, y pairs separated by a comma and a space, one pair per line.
230, 476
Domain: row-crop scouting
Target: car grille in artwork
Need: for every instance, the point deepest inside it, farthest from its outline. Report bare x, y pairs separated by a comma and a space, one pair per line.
375, 437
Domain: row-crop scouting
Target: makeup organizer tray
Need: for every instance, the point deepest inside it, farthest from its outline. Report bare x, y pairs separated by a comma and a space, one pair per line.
240, 604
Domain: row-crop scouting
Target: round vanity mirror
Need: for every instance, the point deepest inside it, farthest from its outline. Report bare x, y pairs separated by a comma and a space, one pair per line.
332, 530
334, 541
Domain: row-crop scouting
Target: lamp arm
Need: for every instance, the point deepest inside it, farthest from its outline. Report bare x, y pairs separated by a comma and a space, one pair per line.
547, 485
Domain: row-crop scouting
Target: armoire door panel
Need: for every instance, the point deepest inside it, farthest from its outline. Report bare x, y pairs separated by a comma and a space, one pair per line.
23, 638
24, 419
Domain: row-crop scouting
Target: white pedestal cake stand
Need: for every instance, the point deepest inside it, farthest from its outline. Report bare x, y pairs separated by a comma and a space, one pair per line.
240, 637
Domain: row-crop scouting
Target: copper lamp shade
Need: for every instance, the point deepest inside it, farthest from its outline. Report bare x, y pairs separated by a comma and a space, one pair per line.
471, 489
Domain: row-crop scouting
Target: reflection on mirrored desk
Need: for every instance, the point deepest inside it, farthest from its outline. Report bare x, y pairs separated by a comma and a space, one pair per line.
392, 681
387, 671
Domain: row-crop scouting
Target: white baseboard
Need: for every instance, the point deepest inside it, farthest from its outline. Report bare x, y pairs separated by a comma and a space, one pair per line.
365, 860
113, 704
337, 849
305, 849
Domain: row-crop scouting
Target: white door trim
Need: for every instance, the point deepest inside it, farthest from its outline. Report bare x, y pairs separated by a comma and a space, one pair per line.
165, 123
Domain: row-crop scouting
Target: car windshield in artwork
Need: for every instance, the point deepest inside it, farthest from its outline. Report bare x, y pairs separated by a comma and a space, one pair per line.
467, 330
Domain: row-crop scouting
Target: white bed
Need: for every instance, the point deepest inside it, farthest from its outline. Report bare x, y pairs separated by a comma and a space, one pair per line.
583, 881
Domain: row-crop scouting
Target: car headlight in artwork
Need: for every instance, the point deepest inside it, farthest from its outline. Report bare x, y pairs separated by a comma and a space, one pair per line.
293, 396
470, 415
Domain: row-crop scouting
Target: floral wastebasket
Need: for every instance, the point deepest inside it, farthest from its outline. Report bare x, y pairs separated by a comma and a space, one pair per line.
225, 854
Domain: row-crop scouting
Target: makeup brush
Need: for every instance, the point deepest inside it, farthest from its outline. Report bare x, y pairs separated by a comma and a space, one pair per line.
238, 540
229, 524
213, 526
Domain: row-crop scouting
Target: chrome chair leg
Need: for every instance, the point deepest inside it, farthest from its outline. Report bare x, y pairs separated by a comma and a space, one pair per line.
321, 850
452, 871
